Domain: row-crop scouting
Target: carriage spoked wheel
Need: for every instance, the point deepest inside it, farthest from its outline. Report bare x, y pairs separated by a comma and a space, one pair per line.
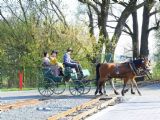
148, 75
46, 86
87, 85
76, 87
59, 87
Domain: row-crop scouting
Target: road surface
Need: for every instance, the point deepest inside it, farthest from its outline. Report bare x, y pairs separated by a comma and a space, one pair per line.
134, 107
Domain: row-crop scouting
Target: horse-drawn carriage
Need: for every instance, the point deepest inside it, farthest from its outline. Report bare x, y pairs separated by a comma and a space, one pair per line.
79, 85
51, 83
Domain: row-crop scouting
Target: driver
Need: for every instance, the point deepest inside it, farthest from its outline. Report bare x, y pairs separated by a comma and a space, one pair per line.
68, 62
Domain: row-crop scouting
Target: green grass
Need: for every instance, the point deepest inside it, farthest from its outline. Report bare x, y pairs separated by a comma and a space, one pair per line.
16, 89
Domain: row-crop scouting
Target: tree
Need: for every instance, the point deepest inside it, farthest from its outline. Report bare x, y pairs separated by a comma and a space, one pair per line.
101, 9
32, 27
135, 36
144, 51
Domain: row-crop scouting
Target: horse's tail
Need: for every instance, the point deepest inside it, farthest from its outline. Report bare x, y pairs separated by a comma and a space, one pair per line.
97, 72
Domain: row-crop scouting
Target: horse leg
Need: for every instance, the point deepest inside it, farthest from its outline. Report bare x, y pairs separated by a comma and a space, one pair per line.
100, 88
124, 85
96, 91
97, 78
132, 92
113, 87
104, 90
97, 88
136, 87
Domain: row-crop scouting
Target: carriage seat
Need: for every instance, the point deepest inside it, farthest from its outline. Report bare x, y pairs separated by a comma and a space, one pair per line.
51, 70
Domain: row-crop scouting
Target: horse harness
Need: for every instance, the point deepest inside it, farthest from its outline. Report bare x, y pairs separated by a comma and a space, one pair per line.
134, 65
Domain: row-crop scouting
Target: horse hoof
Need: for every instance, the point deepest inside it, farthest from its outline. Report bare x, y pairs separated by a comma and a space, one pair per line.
140, 94
117, 93
122, 93
96, 93
100, 93
132, 92
126, 90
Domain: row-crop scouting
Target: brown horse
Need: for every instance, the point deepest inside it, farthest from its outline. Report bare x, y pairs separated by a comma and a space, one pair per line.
107, 71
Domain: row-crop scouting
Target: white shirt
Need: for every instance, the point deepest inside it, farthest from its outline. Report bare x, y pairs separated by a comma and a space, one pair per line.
46, 61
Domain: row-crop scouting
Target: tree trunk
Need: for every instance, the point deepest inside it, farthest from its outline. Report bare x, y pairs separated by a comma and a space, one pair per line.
144, 51
135, 35
91, 26
102, 18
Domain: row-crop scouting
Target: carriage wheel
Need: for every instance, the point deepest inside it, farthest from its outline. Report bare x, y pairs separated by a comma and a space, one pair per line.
59, 87
148, 75
76, 87
46, 86
87, 85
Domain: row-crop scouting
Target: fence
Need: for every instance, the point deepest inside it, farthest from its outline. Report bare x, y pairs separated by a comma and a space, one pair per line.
9, 76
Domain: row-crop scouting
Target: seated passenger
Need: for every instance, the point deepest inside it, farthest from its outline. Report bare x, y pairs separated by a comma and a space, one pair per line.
54, 61
46, 60
47, 69
68, 62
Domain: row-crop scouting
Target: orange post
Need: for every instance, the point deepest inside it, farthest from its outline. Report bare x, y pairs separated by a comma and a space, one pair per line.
20, 74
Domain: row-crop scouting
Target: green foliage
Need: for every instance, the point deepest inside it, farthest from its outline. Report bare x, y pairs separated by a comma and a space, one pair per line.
22, 46
27, 45
25, 36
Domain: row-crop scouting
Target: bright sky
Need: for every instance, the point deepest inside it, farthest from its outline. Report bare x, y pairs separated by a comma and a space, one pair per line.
71, 6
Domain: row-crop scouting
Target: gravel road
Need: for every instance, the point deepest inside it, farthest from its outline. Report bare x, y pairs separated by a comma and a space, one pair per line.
49, 107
